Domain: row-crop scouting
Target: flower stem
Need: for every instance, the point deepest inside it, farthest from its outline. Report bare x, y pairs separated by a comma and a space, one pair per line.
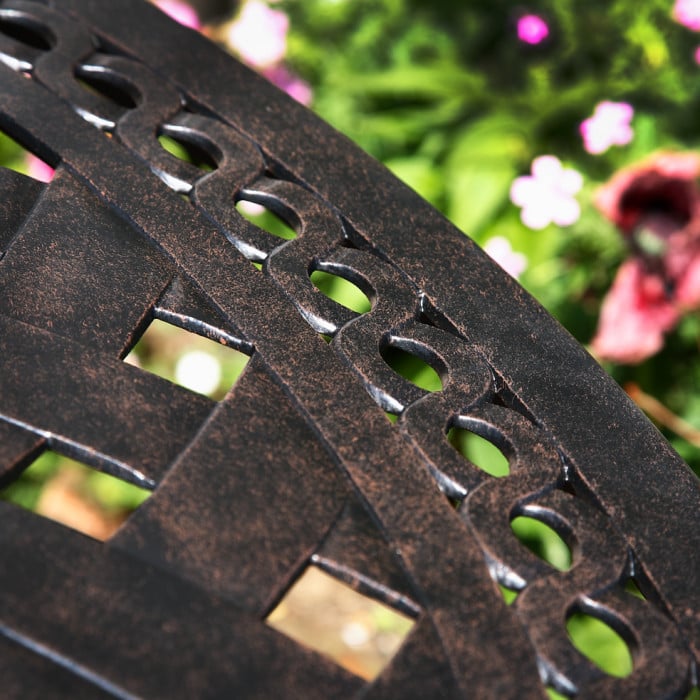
662, 415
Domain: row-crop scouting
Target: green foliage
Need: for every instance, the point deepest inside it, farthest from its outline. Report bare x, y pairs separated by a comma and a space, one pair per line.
12, 155
479, 169
601, 644
26, 490
413, 368
543, 541
480, 451
341, 290
106, 492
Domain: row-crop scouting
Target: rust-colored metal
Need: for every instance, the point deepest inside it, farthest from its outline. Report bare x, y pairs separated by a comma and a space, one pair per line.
299, 464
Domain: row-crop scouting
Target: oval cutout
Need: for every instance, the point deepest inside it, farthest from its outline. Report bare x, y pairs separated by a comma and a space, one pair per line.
100, 82
26, 30
341, 291
187, 151
264, 218
480, 451
600, 644
411, 367
543, 541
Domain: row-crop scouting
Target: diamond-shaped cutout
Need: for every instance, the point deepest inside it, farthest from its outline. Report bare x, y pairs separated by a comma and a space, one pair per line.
508, 594
187, 359
75, 495
358, 633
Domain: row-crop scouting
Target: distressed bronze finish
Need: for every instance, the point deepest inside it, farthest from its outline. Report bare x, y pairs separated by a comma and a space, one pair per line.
299, 464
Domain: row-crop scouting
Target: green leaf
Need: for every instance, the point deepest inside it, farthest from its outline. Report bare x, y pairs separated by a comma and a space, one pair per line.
480, 171
420, 174
417, 82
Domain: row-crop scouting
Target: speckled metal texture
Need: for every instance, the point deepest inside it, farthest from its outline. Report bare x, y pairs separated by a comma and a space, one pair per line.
299, 465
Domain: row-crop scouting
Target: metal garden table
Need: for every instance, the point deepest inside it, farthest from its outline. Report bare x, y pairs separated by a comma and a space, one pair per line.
299, 465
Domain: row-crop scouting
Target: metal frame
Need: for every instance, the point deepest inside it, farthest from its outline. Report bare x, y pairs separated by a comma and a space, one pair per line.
299, 464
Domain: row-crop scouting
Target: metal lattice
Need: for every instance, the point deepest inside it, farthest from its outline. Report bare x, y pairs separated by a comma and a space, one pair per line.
299, 464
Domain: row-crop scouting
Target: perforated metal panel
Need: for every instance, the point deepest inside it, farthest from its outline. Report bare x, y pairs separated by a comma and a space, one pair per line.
299, 465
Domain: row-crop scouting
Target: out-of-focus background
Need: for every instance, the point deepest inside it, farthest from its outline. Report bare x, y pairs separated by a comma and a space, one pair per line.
562, 137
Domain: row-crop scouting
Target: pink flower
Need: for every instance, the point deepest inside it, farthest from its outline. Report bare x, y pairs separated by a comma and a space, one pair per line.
656, 205
259, 34
499, 249
547, 196
292, 84
634, 317
696, 55
688, 283
39, 170
532, 29
181, 12
609, 125
687, 13
664, 182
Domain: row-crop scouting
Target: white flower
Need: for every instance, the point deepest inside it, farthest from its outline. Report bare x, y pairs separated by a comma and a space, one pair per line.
259, 34
547, 196
609, 126
500, 250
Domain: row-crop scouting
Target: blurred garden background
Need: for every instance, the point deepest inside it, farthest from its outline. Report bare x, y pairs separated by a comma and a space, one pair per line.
563, 137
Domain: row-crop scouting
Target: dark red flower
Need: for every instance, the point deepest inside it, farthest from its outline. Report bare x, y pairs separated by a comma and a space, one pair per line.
656, 205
